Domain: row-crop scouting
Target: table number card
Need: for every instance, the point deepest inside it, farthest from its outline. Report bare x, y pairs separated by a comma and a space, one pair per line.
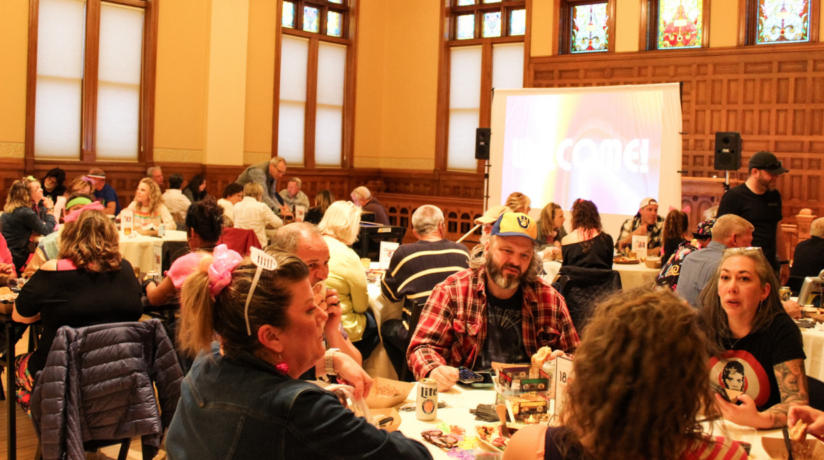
127, 221
563, 377
387, 250
300, 211
639, 246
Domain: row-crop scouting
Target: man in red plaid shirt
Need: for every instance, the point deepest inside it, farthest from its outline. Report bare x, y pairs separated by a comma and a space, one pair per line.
499, 312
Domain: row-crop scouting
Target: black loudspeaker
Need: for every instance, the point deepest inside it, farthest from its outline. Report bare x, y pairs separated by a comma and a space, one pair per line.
727, 151
482, 136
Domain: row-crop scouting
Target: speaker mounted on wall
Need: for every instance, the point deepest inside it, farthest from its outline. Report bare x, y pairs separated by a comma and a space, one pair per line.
482, 136
727, 151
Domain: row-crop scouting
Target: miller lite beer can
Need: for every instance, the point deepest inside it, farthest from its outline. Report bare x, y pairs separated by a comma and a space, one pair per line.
427, 406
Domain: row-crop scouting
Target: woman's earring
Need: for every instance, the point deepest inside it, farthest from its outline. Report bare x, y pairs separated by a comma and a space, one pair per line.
281, 366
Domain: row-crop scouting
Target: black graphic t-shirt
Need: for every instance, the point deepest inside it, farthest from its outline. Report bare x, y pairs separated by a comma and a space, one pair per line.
749, 361
504, 334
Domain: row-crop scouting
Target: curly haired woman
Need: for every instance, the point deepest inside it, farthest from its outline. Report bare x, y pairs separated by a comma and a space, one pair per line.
149, 210
587, 246
89, 283
641, 379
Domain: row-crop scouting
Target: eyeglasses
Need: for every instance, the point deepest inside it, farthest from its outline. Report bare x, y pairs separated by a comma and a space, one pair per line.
437, 438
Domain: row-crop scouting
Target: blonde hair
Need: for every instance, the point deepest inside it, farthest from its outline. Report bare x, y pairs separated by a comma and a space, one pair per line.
518, 202
79, 182
342, 221
728, 225
155, 197
548, 222
253, 189
91, 243
19, 196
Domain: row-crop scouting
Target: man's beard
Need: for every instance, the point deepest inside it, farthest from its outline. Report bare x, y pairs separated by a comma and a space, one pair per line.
504, 281
767, 184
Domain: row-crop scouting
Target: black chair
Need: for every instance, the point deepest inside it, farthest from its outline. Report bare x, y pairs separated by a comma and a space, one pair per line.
411, 314
816, 390
582, 288
370, 237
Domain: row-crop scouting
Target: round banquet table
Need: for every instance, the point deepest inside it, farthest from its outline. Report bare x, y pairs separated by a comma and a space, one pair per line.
139, 249
460, 399
632, 275
814, 349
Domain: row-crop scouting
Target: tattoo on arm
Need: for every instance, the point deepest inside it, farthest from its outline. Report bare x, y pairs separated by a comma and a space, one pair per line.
792, 383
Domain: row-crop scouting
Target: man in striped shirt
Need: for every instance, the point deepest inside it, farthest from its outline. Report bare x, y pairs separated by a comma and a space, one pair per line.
414, 271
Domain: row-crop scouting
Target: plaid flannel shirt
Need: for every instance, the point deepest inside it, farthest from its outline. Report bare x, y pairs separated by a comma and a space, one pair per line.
452, 327
630, 225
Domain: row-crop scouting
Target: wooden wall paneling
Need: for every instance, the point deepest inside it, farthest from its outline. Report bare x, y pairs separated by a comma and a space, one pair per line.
773, 95
459, 214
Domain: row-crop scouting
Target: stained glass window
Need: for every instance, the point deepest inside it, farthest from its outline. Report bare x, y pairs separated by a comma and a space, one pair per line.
310, 19
466, 2
492, 24
288, 19
783, 21
517, 22
333, 23
590, 32
680, 23
466, 27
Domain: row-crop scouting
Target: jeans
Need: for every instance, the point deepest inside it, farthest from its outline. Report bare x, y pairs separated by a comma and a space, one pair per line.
370, 338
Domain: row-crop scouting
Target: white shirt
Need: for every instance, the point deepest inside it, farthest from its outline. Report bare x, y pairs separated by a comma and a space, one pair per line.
251, 214
228, 208
177, 204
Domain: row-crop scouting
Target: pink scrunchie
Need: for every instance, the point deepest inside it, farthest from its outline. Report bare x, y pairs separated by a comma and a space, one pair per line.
72, 216
224, 261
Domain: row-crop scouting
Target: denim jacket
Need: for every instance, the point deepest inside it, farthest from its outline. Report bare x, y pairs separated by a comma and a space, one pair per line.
245, 409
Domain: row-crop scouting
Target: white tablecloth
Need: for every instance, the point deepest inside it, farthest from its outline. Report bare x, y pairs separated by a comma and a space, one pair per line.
460, 400
139, 249
632, 276
814, 349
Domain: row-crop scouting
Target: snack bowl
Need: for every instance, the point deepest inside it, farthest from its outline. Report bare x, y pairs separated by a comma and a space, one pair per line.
388, 393
653, 262
387, 412
808, 449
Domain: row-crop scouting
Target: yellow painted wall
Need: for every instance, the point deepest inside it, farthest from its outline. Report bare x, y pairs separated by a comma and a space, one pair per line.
226, 100
370, 80
14, 17
260, 77
543, 35
627, 25
182, 69
724, 30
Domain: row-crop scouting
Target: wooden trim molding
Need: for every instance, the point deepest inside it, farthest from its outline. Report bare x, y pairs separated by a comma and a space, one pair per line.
442, 116
31, 84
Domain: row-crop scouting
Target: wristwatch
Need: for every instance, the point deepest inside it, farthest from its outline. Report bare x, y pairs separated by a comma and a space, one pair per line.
329, 362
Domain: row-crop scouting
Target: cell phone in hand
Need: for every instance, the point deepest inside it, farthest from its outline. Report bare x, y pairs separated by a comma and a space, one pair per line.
467, 376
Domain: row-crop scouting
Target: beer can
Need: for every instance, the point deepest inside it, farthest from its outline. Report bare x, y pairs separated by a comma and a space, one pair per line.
161, 230
427, 404
785, 292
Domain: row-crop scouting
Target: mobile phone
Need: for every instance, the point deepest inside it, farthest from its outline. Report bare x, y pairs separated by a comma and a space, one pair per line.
485, 383
467, 376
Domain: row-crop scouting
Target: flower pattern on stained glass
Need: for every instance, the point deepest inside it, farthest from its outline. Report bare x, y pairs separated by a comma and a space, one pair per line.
590, 32
517, 22
333, 23
492, 24
466, 2
288, 19
466, 27
680, 23
310, 19
783, 21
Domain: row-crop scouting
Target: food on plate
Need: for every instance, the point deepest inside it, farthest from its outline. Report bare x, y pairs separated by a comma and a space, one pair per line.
799, 431
6, 295
385, 390
539, 358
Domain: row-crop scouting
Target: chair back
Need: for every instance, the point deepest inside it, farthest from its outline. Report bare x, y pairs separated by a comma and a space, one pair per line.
816, 391
584, 287
370, 237
98, 385
239, 240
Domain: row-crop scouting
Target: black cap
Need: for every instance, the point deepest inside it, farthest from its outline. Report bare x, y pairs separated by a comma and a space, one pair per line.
768, 162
